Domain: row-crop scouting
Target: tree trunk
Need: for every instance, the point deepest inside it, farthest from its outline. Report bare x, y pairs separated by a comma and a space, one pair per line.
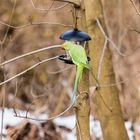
107, 103
82, 106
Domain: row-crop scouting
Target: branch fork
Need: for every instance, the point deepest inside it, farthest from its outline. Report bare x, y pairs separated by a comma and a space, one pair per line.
76, 3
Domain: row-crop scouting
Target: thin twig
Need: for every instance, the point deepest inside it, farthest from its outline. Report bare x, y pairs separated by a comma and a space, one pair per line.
23, 72
49, 8
76, 3
135, 30
13, 9
34, 24
35, 100
15, 94
59, 71
120, 82
2, 57
29, 53
117, 49
53, 9
137, 10
106, 37
51, 118
101, 60
42, 120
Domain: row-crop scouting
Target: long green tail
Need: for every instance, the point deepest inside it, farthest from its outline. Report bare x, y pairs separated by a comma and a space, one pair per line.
79, 72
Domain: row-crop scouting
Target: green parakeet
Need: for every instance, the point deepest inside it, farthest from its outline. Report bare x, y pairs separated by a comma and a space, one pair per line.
79, 58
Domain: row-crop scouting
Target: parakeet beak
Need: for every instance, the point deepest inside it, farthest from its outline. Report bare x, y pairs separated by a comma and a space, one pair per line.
62, 47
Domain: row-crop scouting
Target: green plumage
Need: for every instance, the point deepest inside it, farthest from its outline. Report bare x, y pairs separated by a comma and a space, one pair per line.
79, 58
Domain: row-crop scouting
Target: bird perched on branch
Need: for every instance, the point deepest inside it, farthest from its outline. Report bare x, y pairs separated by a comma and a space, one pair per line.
79, 58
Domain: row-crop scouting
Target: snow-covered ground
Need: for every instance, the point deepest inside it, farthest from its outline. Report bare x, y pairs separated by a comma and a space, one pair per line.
68, 122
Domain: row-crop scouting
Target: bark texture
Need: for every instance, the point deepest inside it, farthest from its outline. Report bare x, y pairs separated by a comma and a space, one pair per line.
82, 106
111, 121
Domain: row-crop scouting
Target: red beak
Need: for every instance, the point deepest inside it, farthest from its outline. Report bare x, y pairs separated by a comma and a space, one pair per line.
62, 47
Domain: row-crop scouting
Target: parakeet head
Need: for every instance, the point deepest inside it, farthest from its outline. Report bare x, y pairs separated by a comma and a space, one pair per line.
67, 45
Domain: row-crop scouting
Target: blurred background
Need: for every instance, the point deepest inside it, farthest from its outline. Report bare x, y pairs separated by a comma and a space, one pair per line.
46, 89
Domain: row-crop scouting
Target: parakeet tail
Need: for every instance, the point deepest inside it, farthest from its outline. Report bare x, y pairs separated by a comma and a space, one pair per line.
79, 72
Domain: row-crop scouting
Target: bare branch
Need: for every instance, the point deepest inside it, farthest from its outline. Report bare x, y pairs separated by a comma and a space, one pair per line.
120, 82
34, 24
2, 51
110, 40
51, 118
23, 72
135, 30
13, 9
29, 53
76, 3
59, 71
42, 120
34, 101
101, 60
137, 10
50, 7
54, 9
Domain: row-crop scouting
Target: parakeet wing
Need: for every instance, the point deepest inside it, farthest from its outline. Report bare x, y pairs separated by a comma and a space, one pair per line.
78, 55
